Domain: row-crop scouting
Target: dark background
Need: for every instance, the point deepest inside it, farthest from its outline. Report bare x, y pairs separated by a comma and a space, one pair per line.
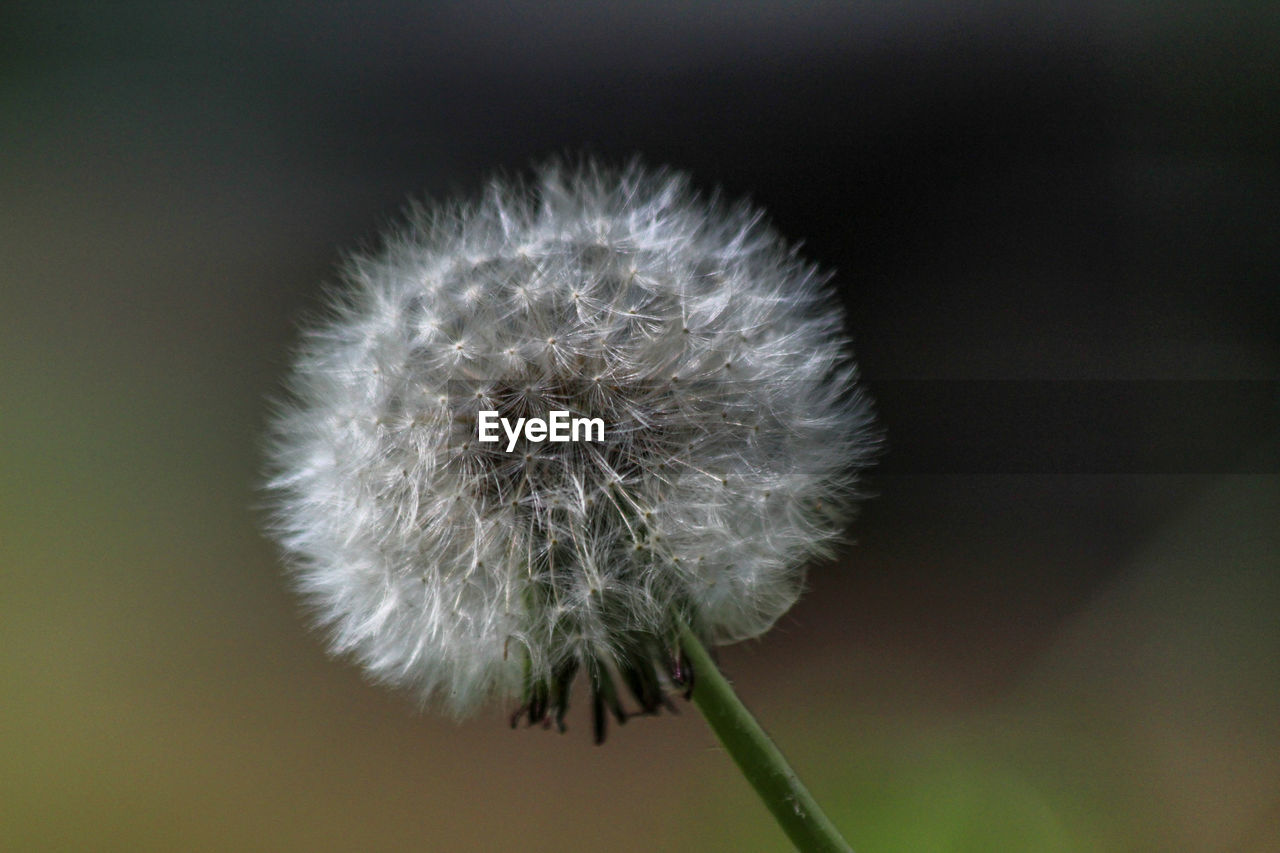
1055, 229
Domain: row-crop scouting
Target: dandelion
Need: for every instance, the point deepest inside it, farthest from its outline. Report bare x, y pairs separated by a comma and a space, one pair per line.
471, 570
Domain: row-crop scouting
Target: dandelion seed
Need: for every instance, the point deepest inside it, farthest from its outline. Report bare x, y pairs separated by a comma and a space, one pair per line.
465, 573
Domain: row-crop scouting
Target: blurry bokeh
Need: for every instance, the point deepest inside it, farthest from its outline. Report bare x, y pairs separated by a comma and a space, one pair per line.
1055, 227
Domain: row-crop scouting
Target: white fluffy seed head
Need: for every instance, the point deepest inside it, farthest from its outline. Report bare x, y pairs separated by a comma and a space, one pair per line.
733, 435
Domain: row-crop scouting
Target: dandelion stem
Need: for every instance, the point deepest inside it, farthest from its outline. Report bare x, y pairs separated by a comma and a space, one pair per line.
757, 755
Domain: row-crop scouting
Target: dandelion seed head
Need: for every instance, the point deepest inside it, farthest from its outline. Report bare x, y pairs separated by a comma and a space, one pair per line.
734, 431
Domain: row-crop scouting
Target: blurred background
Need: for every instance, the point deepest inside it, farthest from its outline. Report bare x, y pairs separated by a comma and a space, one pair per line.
1055, 228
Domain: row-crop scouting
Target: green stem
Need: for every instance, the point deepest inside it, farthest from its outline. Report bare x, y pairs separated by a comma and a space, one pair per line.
757, 756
